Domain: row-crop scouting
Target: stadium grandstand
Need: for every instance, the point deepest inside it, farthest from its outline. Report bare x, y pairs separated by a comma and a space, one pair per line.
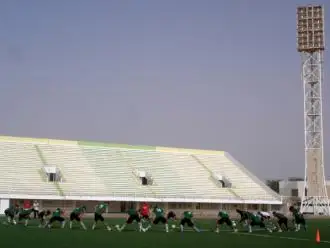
67, 173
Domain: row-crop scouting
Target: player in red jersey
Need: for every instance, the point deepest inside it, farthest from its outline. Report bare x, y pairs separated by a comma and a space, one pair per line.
145, 213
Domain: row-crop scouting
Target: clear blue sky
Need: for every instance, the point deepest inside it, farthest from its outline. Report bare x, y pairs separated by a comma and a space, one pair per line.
206, 74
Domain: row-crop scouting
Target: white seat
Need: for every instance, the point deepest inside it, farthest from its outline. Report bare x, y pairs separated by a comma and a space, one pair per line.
243, 184
115, 172
175, 174
20, 169
109, 171
80, 179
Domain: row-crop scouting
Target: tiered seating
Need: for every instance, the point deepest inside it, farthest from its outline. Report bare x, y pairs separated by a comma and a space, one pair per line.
175, 175
80, 178
115, 172
91, 170
20, 171
245, 186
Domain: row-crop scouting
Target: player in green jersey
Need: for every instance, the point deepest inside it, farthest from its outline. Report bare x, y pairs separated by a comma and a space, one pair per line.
76, 215
133, 215
99, 211
10, 213
159, 217
223, 218
57, 216
187, 219
24, 214
298, 218
256, 220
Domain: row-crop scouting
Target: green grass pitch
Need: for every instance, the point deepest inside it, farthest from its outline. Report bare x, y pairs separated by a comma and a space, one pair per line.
32, 236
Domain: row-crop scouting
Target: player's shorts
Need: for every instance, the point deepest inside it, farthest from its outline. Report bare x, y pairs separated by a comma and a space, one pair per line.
283, 221
9, 214
98, 217
300, 220
56, 218
132, 218
41, 215
187, 221
23, 216
257, 223
244, 217
171, 215
224, 220
145, 216
265, 218
161, 219
74, 216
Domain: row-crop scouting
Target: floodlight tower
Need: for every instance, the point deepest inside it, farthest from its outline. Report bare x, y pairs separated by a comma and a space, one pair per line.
310, 44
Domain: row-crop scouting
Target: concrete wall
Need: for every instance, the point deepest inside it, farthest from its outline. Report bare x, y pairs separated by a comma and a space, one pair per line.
4, 204
287, 186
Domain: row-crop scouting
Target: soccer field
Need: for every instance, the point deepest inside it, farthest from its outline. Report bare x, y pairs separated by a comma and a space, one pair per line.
32, 236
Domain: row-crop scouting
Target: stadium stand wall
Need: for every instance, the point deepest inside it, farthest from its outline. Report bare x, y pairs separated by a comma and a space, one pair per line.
92, 171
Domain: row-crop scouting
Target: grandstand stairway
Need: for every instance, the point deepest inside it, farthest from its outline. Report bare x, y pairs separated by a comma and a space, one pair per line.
243, 182
42, 172
210, 175
117, 176
20, 168
98, 171
80, 179
175, 175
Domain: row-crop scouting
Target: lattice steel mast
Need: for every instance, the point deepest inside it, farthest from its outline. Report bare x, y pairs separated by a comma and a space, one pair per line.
310, 38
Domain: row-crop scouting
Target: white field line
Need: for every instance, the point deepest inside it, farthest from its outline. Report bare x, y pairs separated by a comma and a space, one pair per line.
279, 237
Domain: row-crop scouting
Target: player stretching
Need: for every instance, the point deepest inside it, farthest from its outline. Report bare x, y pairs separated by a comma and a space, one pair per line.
43, 215
256, 220
298, 218
187, 219
264, 215
171, 216
244, 216
24, 214
99, 210
10, 213
76, 215
57, 216
224, 218
267, 219
159, 217
145, 212
282, 220
133, 215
